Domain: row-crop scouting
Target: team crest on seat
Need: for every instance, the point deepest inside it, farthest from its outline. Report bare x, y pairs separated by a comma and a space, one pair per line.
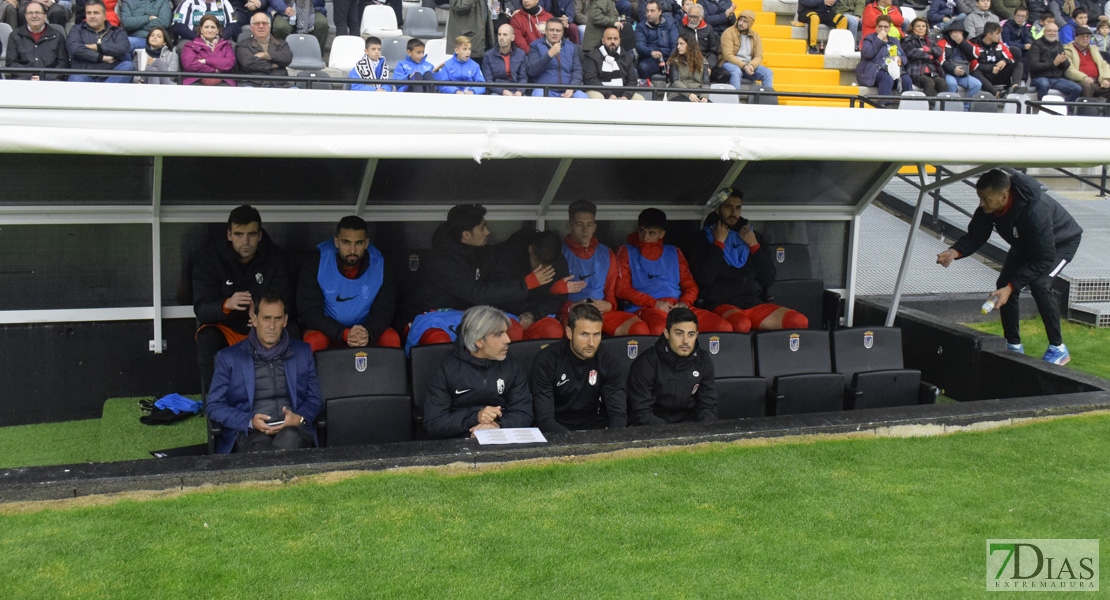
795, 342
414, 262
780, 254
714, 345
500, 386
633, 349
360, 361
868, 339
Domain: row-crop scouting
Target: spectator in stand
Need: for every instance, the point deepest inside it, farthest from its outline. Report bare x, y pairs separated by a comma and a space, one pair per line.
655, 278
262, 53
742, 53
505, 64
478, 385
958, 54
229, 278
942, 13
734, 269
923, 59
78, 7
687, 70
673, 381
1087, 67
581, 14
1017, 34
1101, 39
719, 14
140, 17
1060, 12
414, 67
877, 9
14, 13
564, 10
186, 19
994, 66
1037, 10
599, 15
1049, 64
1005, 8
158, 57
1078, 19
308, 17
608, 65
36, 45
346, 294
594, 263
882, 62
853, 11
459, 68
820, 12
656, 37
97, 44
978, 18
554, 60
208, 53
370, 66
471, 19
528, 24
244, 12
347, 17
709, 43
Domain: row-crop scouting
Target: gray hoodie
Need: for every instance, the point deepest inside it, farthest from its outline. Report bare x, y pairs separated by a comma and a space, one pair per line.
975, 21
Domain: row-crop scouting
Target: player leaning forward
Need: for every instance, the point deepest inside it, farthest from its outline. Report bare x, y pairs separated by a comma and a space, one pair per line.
1043, 239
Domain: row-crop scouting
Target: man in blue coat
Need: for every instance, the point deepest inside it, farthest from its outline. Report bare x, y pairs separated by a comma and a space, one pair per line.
554, 60
98, 45
656, 38
264, 392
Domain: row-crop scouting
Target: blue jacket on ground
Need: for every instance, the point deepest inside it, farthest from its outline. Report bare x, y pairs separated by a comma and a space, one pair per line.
494, 69
564, 67
464, 72
231, 398
662, 37
405, 69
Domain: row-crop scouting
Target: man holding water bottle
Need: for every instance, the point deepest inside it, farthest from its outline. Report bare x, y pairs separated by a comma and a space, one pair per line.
1043, 238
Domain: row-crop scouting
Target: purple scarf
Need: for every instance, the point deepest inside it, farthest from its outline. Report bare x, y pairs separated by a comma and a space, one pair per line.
268, 353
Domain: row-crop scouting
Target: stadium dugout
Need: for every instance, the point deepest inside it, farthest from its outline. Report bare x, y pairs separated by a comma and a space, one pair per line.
105, 204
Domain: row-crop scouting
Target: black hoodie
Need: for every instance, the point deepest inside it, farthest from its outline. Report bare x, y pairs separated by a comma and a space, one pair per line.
218, 274
666, 388
460, 276
463, 385
1034, 225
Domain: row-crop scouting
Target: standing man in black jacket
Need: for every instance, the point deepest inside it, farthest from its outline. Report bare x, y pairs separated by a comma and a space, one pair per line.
577, 384
229, 278
672, 382
477, 386
1043, 239
733, 268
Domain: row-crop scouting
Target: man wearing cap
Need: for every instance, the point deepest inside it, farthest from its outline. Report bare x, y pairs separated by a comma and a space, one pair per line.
1087, 67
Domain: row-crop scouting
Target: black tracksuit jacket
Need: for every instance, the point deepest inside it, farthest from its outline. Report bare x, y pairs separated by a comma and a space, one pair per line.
463, 385
563, 397
666, 388
217, 274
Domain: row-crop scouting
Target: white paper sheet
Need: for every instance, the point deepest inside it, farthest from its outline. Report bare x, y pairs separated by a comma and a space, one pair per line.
519, 435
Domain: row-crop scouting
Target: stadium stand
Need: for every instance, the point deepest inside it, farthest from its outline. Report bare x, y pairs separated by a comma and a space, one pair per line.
871, 360
798, 365
366, 395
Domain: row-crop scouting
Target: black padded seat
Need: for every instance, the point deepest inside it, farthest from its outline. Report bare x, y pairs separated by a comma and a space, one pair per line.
870, 358
740, 393
799, 366
366, 395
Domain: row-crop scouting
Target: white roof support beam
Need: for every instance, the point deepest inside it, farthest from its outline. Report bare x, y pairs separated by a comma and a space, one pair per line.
552, 189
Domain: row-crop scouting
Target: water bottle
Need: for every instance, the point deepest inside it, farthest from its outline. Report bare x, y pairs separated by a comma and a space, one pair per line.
988, 305
293, 22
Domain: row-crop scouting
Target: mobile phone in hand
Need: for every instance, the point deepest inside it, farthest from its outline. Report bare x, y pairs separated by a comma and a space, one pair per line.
275, 423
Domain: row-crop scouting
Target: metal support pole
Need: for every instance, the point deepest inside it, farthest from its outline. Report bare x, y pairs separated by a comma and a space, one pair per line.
552, 189
157, 345
364, 185
908, 254
853, 261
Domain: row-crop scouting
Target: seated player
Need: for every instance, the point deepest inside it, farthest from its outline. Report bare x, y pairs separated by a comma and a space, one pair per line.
520, 255
459, 68
346, 294
228, 278
370, 66
672, 382
595, 264
734, 270
477, 386
655, 278
576, 383
265, 393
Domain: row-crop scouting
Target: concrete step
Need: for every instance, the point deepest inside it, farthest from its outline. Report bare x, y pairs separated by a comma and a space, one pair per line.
777, 46
797, 61
788, 75
770, 31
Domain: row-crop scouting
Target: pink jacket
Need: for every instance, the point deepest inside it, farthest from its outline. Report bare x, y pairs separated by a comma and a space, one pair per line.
220, 60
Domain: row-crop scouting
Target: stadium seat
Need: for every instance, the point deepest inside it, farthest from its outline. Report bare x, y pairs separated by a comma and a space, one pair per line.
422, 23
380, 21
317, 80
908, 15
345, 52
796, 288
366, 395
947, 102
1095, 107
424, 362
1056, 110
739, 392
628, 347
799, 368
306, 52
840, 50
5, 33
870, 358
525, 351
724, 98
984, 107
913, 101
768, 99
408, 6
393, 49
243, 36
436, 52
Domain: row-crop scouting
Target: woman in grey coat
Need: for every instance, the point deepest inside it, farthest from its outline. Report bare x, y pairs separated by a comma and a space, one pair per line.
157, 56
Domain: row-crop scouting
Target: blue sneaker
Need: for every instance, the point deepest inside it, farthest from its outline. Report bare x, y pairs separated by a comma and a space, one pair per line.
1020, 349
1057, 355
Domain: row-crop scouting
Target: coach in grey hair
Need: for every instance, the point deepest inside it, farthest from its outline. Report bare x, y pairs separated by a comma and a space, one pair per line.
477, 386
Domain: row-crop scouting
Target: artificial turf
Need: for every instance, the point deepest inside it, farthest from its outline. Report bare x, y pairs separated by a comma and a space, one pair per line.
1089, 346
845, 518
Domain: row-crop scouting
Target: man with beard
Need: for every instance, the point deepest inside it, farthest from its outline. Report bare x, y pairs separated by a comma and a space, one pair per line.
607, 65
733, 269
346, 294
742, 53
672, 382
577, 384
